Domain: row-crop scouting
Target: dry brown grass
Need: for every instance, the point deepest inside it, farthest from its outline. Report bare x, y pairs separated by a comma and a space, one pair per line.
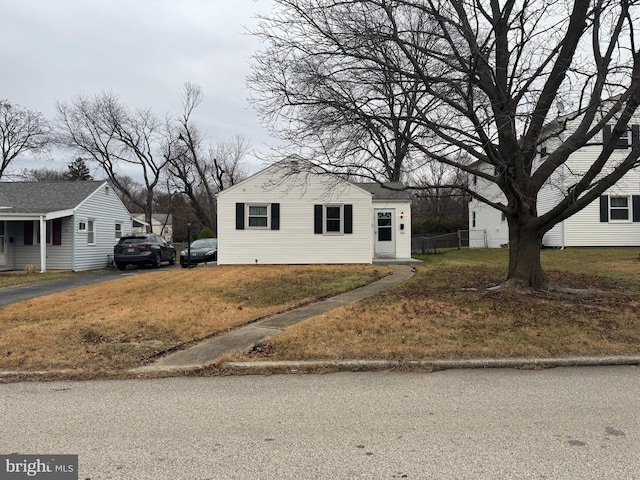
118, 324
438, 315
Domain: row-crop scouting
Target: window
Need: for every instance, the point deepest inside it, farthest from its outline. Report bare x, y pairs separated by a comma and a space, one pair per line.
473, 219
118, 230
82, 226
619, 208
333, 219
623, 141
258, 216
543, 151
91, 233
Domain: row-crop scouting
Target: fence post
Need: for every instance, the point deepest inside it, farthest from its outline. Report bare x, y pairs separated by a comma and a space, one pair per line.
459, 240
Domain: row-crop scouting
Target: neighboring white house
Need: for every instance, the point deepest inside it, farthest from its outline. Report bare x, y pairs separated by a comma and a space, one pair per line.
161, 223
311, 218
60, 225
611, 221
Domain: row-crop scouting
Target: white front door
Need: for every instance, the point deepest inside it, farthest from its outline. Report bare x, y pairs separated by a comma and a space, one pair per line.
385, 241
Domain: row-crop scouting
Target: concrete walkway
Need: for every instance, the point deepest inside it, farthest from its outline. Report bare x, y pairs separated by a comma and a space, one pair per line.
242, 338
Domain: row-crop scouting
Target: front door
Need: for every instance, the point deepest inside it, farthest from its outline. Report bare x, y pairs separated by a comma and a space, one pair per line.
385, 242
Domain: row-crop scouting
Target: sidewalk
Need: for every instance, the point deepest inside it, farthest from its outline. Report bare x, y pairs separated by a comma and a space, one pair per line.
242, 338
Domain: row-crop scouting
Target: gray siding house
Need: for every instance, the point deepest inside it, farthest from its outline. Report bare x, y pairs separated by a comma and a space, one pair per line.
60, 225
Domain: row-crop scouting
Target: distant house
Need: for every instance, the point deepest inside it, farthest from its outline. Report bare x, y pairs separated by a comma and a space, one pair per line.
311, 218
161, 223
59, 225
613, 220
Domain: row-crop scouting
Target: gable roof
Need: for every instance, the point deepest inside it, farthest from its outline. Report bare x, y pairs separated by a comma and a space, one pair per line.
44, 197
386, 191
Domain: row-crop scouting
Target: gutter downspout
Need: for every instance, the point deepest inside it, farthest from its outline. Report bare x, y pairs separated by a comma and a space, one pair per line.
43, 244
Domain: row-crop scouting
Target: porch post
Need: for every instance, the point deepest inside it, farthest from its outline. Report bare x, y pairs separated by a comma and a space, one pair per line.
43, 245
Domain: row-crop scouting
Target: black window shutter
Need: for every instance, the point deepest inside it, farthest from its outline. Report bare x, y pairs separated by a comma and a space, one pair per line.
56, 232
635, 202
635, 135
604, 208
348, 219
275, 216
317, 219
28, 233
239, 216
606, 134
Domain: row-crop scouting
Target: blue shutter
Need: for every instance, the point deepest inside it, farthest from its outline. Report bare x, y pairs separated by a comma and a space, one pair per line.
317, 219
275, 216
348, 219
604, 208
239, 216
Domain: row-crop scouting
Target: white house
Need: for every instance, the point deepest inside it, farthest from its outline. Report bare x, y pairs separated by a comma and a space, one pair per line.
311, 218
613, 220
161, 223
60, 225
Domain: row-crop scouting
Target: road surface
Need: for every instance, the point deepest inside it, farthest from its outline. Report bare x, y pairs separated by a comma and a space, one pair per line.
564, 423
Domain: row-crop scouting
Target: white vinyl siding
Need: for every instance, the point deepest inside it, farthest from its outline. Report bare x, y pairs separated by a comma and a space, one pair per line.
104, 209
294, 242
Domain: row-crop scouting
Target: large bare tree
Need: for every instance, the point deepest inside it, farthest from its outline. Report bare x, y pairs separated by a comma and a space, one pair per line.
199, 170
487, 78
102, 129
21, 131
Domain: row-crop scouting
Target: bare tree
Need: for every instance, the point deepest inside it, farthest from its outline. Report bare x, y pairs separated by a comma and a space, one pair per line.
199, 171
43, 175
486, 77
105, 131
21, 131
340, 103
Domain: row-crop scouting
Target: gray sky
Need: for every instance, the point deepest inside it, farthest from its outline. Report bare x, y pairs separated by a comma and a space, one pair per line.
141, 50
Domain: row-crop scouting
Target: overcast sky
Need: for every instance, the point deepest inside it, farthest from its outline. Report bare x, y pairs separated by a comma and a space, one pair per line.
141, 50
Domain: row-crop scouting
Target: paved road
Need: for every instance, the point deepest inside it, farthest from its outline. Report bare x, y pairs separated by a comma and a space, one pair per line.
565, 423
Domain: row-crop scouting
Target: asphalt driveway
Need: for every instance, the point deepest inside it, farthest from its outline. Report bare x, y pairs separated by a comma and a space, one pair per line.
25, 292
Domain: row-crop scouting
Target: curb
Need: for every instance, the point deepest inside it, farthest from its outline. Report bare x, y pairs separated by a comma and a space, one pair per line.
430, 365
270, 367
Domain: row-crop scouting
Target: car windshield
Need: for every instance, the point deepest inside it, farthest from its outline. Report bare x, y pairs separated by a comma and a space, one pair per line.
205, 243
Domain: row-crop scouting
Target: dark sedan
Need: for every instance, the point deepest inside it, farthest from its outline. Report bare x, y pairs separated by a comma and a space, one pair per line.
203, 250
143, 249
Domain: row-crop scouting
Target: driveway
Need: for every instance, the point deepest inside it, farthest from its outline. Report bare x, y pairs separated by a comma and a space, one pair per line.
25, 292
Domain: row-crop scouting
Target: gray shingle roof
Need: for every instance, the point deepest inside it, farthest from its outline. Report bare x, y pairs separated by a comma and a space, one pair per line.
44, 197
393, 192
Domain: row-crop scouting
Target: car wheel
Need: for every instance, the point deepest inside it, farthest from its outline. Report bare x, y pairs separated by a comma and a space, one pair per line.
215, 256
173, 259
158, 260
185, 265
121, 266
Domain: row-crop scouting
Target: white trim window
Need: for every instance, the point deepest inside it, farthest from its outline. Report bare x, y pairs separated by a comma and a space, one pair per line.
118, 230
333, 219
619, 209
91, 232
82, 226
258, 216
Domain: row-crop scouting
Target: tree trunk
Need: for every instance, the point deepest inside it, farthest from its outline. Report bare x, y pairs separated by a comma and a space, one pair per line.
525, 267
